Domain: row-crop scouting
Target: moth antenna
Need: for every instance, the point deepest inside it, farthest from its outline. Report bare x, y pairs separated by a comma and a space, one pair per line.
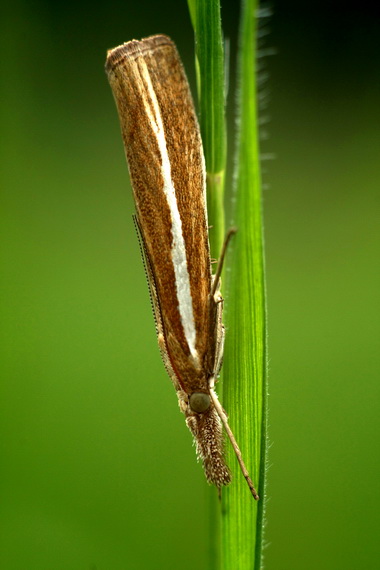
222, 414
219, 269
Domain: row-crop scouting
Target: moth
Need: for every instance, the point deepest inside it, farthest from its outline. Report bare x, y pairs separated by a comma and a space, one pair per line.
167, 170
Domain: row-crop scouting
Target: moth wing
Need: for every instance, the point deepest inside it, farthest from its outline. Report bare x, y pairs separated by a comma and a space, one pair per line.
156, 307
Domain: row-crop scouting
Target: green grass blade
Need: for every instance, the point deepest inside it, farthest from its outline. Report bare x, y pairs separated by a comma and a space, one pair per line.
205, 17
192, 9
244, 387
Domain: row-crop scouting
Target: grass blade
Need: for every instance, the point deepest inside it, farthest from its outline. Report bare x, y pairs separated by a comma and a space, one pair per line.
244, 372
244, 386
205, 16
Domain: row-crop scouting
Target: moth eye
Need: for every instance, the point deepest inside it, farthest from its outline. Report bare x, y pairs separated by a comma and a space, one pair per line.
199, 402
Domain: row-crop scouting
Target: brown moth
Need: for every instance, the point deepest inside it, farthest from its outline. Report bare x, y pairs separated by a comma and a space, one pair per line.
167, 170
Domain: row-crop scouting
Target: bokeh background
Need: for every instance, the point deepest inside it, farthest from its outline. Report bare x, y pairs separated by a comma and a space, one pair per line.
97, 467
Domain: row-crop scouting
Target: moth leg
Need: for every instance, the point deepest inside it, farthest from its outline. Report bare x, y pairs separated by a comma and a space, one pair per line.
219, 344
219, 269
223, 416
217, 301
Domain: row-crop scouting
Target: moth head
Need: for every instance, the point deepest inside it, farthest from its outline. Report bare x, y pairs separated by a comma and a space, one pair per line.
199, 402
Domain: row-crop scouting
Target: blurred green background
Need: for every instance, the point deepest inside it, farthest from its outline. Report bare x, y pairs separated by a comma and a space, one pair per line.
97, 467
